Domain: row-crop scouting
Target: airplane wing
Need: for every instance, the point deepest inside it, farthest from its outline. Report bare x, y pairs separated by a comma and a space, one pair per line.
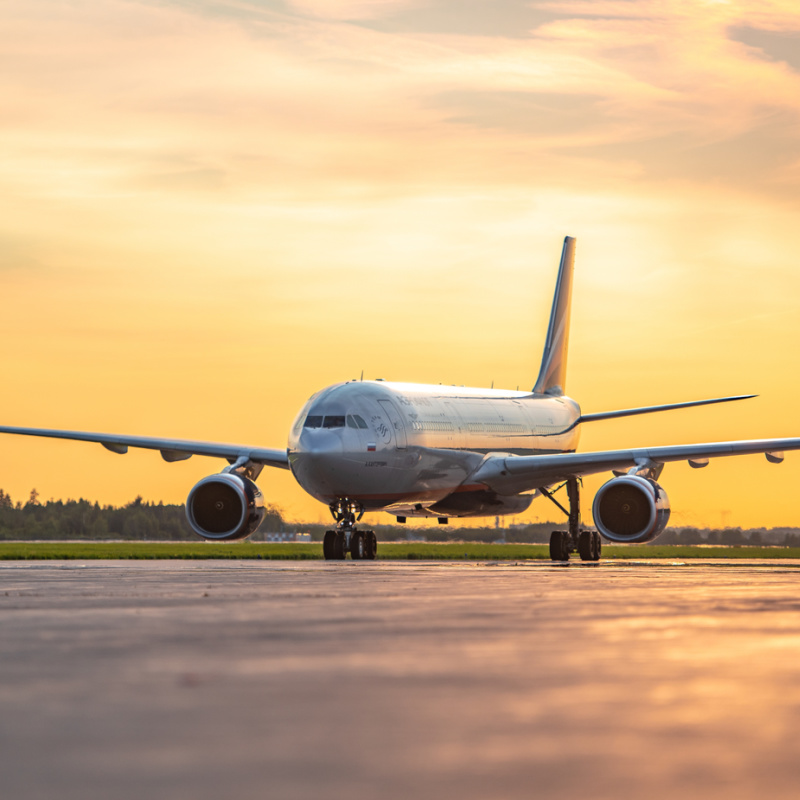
514, 474
171, 449
632, 412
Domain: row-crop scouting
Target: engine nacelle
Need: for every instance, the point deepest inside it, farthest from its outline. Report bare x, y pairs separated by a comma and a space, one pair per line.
630, 509
225, 507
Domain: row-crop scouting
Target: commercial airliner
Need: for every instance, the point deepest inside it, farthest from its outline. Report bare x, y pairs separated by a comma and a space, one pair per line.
416, 450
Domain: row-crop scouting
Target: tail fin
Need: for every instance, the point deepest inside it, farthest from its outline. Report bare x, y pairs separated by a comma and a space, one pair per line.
553, 372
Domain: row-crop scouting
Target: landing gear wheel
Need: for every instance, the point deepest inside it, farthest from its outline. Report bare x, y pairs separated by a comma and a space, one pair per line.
339, 542
560, 548
357, 545
586, 546
597, 546
372, 545
328, 545
369, 552
589, 545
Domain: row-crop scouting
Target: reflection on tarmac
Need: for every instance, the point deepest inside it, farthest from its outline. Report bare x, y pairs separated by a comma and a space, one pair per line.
623, 679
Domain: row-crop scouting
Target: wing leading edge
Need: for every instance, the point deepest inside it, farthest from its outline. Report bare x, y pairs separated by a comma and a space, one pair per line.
631, 412
516, 474
171, 449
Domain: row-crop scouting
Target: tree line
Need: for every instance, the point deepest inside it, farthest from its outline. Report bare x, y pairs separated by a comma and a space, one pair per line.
82, 519
141, 520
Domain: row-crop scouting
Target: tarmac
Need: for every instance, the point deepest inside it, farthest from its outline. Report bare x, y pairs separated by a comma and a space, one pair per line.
289, 680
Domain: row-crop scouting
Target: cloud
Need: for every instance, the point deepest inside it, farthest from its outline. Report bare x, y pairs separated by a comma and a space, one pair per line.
541, 114
275, 100
20, 254
514, 19
774, 45
352, 9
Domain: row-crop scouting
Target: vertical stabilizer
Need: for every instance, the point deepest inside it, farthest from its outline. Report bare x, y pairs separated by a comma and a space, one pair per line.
553, 372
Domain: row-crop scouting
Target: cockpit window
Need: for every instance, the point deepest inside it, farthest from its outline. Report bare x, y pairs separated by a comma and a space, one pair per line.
333, 422
360, 422
354, 421
313, 421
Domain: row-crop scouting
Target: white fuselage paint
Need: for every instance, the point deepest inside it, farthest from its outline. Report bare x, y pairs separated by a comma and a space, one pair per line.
403, 447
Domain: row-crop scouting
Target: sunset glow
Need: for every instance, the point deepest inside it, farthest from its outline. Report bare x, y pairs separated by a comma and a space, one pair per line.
212, 209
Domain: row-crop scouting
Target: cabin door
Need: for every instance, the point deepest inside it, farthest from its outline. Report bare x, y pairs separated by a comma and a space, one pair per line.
397, 423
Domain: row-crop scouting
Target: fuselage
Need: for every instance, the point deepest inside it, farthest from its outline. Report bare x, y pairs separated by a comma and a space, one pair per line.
410, 449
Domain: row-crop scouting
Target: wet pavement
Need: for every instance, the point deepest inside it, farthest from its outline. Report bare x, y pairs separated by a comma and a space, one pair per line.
358, 680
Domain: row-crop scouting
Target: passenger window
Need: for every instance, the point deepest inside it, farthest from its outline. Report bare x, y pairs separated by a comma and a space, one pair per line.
333, 422
313, 422
360, 422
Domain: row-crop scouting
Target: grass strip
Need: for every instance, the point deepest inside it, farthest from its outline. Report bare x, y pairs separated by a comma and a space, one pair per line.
455, 551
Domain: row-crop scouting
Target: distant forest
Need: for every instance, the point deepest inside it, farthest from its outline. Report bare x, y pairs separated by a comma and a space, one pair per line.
82, 519
140, 520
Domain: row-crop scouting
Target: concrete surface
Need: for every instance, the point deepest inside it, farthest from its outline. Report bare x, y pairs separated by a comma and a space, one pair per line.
393, 680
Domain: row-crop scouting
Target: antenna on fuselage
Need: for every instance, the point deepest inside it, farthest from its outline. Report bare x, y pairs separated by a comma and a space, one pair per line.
362, 375
553, 372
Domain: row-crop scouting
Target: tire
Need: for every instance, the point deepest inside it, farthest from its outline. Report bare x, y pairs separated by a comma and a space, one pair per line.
370, 545
357, 545
597, 546
586, 546
328, 545
339, 552
559, 546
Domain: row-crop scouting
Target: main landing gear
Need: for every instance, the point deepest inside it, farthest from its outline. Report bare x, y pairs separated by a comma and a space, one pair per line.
587, 543
362, 545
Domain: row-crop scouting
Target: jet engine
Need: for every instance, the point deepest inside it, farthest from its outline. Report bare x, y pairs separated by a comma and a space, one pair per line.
225, 507
630, 509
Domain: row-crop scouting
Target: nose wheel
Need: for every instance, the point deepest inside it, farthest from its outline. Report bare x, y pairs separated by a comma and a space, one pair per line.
362, 545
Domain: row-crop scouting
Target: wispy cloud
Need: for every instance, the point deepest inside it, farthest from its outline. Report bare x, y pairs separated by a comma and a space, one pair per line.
301, 92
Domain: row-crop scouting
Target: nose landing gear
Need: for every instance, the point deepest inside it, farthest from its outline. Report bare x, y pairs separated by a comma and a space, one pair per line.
362, 545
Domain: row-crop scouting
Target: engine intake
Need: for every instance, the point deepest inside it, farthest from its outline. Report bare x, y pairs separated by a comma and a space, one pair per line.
630, 509
225, 507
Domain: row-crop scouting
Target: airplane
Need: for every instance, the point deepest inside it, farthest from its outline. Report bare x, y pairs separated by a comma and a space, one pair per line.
416, 450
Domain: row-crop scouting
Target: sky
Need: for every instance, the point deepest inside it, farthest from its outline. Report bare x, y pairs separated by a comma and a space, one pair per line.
211, 209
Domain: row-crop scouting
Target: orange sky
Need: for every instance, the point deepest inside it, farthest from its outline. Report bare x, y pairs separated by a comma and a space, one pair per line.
209, 210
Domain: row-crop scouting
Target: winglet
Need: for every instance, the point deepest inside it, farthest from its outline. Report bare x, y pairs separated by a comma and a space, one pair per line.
553, 372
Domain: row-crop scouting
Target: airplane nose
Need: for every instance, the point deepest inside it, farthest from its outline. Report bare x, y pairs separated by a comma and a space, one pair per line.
320, 442
318, 459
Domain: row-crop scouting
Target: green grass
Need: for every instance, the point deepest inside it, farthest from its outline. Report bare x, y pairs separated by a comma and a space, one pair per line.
156, 550
514, 552
398, 551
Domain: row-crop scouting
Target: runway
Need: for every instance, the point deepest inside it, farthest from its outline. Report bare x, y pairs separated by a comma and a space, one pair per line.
292, 680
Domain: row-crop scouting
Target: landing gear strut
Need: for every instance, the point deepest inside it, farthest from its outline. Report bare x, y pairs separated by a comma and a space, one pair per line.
362, 545
562, 543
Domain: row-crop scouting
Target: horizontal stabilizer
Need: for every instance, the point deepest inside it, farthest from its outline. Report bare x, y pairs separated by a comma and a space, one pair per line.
632, 412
